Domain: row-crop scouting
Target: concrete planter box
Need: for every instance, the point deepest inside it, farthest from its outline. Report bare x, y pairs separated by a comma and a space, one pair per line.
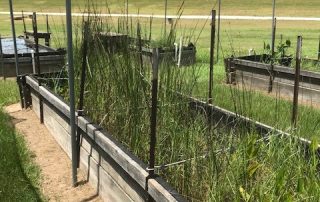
115, 42
51, 60
112, 170
252, 73
188, 55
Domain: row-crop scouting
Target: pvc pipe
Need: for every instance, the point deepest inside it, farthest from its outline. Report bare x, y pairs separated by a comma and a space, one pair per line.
175, 52
180, 52
33, 62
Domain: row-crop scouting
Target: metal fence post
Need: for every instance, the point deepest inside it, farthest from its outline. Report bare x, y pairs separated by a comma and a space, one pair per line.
319, 50
165, 17
274, 24
16, 56
296, 83
82, 84
213, 31
218, 34
153, 117
71, 92
37, 61
1, 58
140, 46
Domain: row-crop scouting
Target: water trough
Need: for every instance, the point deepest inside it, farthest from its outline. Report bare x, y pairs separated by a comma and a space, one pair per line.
51, 60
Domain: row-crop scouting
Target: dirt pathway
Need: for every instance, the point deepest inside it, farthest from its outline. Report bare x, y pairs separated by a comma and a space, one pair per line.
54, 163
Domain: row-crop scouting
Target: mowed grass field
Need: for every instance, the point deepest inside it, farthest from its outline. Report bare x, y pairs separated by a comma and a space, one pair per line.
237, 36
196, 7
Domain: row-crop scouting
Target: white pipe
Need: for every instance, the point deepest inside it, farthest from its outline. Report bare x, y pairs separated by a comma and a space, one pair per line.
175, 52
33, 62
180, 52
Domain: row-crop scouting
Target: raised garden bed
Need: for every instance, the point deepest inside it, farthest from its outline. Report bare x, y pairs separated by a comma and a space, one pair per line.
113, 170
51, 60
115, 42
253, 73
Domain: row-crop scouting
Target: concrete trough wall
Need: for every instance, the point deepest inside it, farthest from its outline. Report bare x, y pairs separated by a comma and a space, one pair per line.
113, 171
188, 56
257, 75
49, 64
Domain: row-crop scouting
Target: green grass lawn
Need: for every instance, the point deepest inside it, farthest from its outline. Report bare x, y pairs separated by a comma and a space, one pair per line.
200, 7
19, 176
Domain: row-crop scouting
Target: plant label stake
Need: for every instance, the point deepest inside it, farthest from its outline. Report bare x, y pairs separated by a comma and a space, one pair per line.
153, 116
296, 83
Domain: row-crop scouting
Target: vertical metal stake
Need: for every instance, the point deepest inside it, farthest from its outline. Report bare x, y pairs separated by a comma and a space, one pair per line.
71, 93
15, 52
218, 34
296, 83
272, 55
213, 32
24, 24
319, 50
82, 84
153, 117
165, 17
1, 58
140, 46
37, 61
47, 38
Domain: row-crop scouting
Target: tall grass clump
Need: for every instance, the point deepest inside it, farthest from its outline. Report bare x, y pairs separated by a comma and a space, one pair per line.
203, 163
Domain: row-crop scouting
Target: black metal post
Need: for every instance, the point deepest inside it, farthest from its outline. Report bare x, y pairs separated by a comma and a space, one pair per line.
1, 58
16, 56
153, 116
140, 46
36, 42
24, 24
165, 17
127, 11
218, 34
37, 60
319, 50
71, 92
296, 82
47, 40
213, 32
82, 84
272, 54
